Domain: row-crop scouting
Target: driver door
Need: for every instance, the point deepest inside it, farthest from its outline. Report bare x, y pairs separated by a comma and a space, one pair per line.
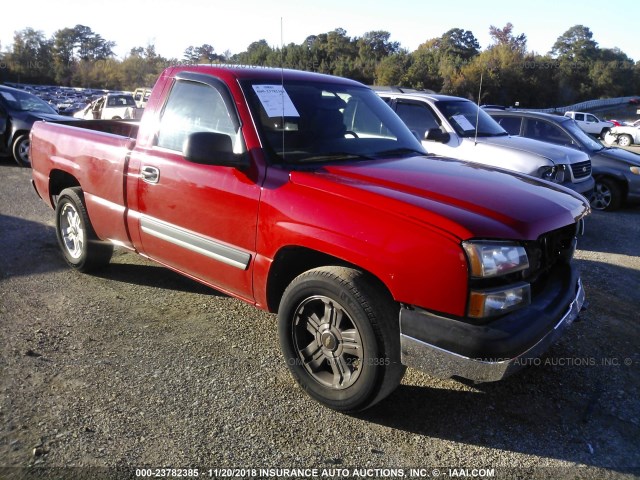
199, 219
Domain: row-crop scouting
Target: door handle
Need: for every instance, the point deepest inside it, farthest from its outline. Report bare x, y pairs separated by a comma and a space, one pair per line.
150, 174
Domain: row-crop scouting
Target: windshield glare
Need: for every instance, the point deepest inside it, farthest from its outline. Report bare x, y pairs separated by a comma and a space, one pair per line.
462, 115
582, 137
304, 122
25, 102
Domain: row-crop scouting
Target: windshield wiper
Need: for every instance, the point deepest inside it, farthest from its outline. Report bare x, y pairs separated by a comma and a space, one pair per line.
497, 134
400, 151
334, 156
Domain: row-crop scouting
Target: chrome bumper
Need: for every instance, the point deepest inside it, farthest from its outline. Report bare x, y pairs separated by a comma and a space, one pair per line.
445, 364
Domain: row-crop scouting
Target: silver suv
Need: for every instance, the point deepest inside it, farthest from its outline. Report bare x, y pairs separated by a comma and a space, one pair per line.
447, 126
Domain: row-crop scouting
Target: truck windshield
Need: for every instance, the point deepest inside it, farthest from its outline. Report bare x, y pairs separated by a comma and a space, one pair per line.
462, 115
303, 122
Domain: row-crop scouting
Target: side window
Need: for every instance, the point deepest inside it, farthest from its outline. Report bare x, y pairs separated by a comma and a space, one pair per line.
510, 124
591, 118
580, 117
547, 132
419, 118
193, 107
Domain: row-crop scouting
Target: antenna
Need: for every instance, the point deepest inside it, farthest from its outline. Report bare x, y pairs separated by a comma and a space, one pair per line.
282, 79
475, 140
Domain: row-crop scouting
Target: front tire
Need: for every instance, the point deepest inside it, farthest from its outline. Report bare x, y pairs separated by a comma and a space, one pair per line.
624, 140
339, 333
81, 247
607, 195
20, 150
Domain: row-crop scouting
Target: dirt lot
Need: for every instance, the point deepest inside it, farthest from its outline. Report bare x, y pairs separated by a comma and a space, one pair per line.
139, 367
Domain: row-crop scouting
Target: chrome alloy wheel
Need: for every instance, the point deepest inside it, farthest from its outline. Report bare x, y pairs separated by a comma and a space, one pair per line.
327, 342
72, 230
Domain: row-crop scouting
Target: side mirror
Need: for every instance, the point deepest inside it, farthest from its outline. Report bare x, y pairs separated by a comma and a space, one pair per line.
210, 148
436, 135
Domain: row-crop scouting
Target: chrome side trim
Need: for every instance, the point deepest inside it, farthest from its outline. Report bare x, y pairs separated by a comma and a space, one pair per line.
442, 363
195, 243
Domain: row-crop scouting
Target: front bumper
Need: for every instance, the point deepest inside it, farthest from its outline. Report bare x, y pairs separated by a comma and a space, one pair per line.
633, 188
584, 187
448, 348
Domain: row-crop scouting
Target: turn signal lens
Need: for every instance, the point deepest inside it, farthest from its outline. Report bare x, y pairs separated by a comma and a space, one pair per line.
489, 303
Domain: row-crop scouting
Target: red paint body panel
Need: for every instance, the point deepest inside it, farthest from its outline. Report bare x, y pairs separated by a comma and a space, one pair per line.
401, 219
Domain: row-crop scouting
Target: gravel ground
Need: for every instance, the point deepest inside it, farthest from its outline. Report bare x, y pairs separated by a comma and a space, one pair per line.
139, 367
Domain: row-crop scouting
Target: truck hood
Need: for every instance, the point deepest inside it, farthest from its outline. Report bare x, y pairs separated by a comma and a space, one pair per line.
555, 153
462, 199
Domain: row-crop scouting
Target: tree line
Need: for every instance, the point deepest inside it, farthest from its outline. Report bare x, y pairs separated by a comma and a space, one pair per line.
575, 69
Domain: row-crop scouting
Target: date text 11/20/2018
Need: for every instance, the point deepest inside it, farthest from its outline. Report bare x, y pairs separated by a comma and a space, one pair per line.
313, 473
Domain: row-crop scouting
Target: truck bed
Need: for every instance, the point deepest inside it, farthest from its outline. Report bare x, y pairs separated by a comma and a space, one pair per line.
94, 152
121, 128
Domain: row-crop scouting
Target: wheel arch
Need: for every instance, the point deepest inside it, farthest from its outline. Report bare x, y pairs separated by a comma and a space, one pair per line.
16, 132
58, 181
616, 176
291, 261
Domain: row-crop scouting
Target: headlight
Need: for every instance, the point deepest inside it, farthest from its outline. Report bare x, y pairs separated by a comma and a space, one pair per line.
488, 303
491, 259
635, 170
553, 174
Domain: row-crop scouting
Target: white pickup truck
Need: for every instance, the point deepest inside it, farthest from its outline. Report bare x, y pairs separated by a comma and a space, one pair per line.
590, 123
112, 106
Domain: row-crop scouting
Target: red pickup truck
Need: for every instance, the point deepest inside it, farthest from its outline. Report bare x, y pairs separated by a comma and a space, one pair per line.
305, 195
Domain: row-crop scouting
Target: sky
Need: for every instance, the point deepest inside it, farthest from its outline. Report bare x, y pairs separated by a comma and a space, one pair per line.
173, 25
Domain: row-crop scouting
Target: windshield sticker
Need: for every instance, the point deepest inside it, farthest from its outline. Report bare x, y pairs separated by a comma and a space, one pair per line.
276, 101
463, 122
8, 96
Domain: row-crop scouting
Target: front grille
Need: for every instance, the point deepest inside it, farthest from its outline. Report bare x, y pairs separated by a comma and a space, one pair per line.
551, 248
581, 170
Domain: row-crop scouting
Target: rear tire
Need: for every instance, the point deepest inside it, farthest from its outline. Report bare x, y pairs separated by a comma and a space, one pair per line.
340, 335
81, 247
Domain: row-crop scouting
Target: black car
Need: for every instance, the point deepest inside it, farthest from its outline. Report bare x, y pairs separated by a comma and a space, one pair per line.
18, 112
616, 171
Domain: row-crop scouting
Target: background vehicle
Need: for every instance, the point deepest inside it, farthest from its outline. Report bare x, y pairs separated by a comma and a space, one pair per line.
590, 123
303, 194
624, 135
18, 111
113, 106
447, 126
616, 171
141, 96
